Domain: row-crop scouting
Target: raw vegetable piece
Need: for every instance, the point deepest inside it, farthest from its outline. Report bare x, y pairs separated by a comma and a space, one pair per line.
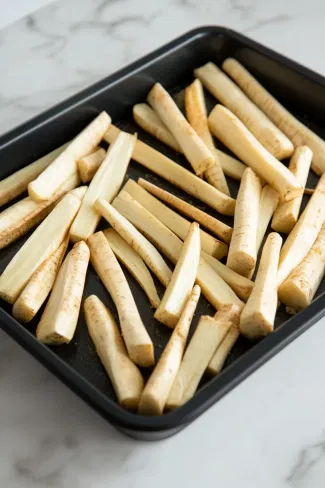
219, 358
268, 203
88, 165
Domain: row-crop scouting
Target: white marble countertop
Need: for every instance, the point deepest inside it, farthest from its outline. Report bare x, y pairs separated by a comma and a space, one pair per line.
269, 432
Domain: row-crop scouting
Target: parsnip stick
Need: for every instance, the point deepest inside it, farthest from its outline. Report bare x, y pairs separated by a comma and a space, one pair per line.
300, 287
179, 289
135, 335
235, 135
286, 214
198, 155
79, 192
134, 263
228, 93
47, 183
136, 240
40, 245
242, 250
123, 373
268, 203
257, 318
15, 184
207, 337
304, 233
215, 226
155, 393
197, 116
297, 132
231, 166
105, 184
173, 220
39, 286
59, 320
239, 284
177, 175
88, 165
221, 354
214, 288
149, 121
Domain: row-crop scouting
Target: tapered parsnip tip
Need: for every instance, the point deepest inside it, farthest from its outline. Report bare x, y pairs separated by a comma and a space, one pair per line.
79, 192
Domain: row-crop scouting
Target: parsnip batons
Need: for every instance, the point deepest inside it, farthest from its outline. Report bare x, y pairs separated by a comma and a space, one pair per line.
268, 203
135, 335
242, 250
88, 165
232, 97
257, 318
123, 373
59, 320
155, 393
235, 135
219, 358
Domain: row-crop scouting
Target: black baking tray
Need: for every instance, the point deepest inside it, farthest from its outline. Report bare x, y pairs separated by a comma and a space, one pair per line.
299, 89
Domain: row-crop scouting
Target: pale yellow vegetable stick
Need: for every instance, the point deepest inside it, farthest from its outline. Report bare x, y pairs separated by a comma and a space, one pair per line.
196, 113
173, 220
155, 393
59, 319
48, 182
235, 135
79, 192
89, 164
300, 287
39, 286
40, 245
135, 335
177, 175
15, 184
184, 275
297, 132
257, 318
286, 215
215, 226
230, 165
228, 93
136, 240
207, 337
219, 358
268, 203
194, 149
134, 263
126, 378
242, 250
105, 184
304, 233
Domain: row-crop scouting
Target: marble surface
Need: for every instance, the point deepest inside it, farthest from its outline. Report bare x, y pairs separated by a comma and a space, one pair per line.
270, 430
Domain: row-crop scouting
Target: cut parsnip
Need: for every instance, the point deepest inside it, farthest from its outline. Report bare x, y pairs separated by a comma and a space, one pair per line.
61, 169
59, 320
207, 337
231, 166
175, 222
135, 335
136, 240
286, 214
257, 318
196, 113
105, 184
304, 233
235, 135
179, 289
242, 250
177, 175
149, 121
15, 184
79, 192
88, 165
39, 286
134, 263
194, 149
297, 132
228, 93
239, 284
219, 358
40, 245
300, 287
214, 288
268, 203
215, 226
155, 393
126, 378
